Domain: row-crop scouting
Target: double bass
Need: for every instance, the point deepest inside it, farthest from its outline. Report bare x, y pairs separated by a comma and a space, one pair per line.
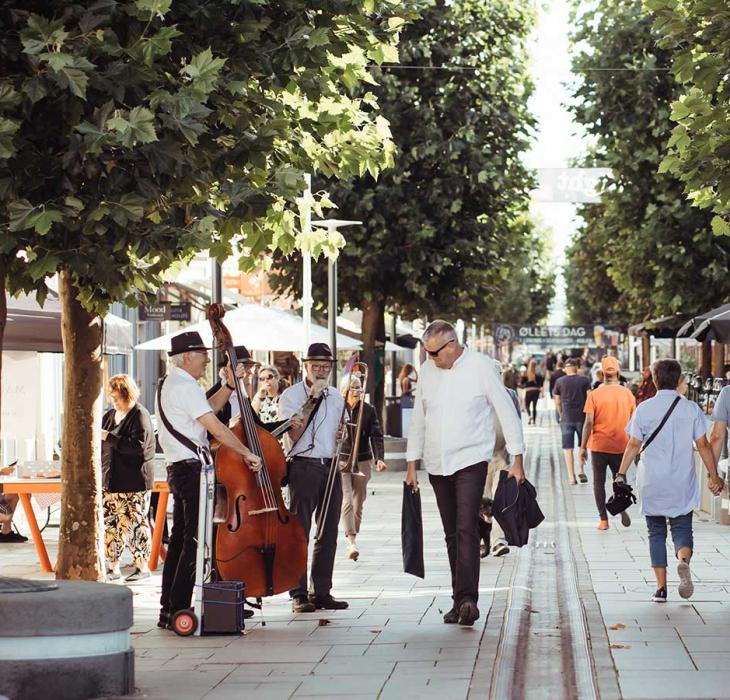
260, 542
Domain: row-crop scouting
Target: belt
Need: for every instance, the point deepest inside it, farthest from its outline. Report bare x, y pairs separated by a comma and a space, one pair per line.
312, 460
185, 462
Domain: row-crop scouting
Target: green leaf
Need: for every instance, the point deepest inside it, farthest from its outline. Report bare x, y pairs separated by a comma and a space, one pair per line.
8, 129
138, 127
154, 8
720, 227
318, 37
43, 267
204, 70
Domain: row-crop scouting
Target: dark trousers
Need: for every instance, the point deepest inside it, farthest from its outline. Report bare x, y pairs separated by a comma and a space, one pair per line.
531, 398
458, 497
307, 481
178, 575
601, 461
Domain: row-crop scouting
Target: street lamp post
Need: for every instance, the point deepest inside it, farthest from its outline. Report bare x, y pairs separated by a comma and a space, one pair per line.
332, 225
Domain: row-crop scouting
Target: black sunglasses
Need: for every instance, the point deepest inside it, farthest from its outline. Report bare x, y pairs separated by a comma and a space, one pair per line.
434, 353
266, 378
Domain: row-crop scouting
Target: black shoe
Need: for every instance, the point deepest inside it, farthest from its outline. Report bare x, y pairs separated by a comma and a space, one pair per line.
13, 537
625, 518
247, 613
660, 596
451, 617
327, 602
164, 621
468, 613
302, 605
137, 575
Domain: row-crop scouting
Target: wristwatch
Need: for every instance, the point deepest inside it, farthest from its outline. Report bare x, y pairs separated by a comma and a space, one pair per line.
620, 477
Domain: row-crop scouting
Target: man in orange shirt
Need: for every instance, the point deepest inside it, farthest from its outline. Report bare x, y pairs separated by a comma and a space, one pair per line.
608, 411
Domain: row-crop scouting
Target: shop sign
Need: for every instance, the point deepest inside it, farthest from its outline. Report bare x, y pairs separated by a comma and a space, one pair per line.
165, 311
547, 336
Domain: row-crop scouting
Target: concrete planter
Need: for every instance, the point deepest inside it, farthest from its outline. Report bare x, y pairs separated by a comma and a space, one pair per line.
70, 643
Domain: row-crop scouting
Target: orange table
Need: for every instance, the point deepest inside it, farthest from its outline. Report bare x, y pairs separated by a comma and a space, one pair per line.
25, 488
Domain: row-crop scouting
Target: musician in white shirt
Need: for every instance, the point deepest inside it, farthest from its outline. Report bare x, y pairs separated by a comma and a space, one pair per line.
453, 432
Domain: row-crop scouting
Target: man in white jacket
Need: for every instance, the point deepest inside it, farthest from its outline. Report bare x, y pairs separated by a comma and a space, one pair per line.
453, 431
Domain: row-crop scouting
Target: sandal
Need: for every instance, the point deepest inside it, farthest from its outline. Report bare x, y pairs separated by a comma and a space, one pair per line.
583, 478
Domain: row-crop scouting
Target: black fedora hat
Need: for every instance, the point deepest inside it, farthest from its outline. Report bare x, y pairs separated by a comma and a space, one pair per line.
190, 341
319, 351
243, 355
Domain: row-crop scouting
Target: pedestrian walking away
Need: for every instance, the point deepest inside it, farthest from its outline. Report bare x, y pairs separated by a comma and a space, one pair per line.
667, 425
570, 393
453, 432
607, 411
371, 448
186, 413
312, 448
532, 382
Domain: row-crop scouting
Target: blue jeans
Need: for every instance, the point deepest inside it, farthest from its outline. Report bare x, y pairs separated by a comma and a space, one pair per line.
681, 527
568, 431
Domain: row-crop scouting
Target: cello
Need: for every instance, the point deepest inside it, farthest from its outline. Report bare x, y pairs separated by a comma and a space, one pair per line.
259, 543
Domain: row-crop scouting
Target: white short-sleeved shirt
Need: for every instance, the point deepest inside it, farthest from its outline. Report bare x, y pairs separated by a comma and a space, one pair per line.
319, 440
667, 479
183, 401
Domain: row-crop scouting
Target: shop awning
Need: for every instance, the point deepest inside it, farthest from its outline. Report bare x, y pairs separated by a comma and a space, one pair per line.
715, 327
693, 324
663, 327
32, 327
258, 328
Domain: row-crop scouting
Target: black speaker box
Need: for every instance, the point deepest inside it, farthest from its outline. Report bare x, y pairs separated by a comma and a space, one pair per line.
223, 607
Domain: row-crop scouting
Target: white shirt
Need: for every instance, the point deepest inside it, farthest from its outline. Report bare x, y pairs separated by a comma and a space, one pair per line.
183, 400
319, 440
453, 423
667, 478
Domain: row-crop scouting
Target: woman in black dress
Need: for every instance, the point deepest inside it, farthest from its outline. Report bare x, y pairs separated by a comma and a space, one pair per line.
532, 382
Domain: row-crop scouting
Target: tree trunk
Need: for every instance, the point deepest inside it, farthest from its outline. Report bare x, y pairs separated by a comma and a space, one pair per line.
3, 323
373, 319
80, 535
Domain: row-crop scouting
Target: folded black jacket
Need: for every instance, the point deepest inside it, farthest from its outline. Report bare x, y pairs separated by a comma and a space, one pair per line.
515, 509
128, 452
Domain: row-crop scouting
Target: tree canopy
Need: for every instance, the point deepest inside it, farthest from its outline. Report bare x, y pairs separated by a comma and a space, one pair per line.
444, 231
697, 33
631, 257
135, 133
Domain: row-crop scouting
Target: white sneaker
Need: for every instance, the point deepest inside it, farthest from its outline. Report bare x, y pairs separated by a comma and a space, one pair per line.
686, 587
500, 548
352, 551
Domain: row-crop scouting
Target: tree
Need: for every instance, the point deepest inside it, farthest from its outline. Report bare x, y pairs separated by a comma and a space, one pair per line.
445, 229
631, 257
697, 33
133, 134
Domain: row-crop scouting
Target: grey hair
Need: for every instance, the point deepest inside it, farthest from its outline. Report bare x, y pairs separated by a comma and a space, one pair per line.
177, 360
438, 327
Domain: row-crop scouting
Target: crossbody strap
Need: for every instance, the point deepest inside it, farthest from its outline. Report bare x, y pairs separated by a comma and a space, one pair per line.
661, 425
202, 452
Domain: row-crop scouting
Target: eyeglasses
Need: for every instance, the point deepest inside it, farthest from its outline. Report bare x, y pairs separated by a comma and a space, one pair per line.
324, 367
434, 353
267, 378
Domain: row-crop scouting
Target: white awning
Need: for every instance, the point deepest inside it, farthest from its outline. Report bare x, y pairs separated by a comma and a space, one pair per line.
258, 328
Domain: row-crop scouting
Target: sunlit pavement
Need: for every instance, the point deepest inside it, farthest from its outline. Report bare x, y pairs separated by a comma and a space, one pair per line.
392, 643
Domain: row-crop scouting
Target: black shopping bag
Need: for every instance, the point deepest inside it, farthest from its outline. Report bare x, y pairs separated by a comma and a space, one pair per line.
622, 499
411, 532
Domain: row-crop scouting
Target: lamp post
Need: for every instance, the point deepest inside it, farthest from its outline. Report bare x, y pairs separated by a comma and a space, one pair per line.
332, 225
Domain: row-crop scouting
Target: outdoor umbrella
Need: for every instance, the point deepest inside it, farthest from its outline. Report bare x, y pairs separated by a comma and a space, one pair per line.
714, 328
691, 326
32, 327
258, 328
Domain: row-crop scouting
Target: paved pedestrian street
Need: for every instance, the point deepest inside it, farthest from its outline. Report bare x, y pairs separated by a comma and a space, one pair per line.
392, 643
